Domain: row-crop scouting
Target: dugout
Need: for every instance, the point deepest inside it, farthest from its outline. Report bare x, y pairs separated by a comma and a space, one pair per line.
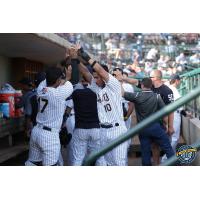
23, 55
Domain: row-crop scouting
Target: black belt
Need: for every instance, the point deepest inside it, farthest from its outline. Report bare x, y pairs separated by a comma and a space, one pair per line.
45, 127
108, 125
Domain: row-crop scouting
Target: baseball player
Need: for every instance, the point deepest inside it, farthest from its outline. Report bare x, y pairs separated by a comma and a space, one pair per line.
175, 81
86, 136
127, 104
44, 143
109, 104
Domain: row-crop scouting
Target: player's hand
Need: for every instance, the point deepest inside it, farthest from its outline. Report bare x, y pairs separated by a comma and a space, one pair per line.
73, 52
67, 60
82, 54
78, 46
68, 72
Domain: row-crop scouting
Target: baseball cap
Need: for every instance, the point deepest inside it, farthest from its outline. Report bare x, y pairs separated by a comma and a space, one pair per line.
175, 77
39, 77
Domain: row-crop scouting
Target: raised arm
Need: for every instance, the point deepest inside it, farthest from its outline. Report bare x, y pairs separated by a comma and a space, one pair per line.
99, 70
85, 72
131, 81
96, 66
73, 53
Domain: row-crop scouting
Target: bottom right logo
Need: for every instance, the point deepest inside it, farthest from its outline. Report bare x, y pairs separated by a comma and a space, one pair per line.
186, 154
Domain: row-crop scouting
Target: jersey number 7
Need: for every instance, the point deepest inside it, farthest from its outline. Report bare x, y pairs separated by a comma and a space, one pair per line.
43, 103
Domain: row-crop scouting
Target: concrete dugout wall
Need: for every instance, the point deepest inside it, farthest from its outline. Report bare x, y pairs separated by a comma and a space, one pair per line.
191, 134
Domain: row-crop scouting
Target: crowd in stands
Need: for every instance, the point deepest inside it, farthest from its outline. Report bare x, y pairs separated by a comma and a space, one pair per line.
140, 53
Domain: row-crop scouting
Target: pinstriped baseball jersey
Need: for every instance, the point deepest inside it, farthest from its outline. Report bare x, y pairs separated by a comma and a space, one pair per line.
127, 88
109, 101
70, 122
70, 104
52, 104
45, 144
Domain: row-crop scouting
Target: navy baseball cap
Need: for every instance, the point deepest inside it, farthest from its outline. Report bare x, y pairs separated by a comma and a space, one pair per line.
175, 77
39, 77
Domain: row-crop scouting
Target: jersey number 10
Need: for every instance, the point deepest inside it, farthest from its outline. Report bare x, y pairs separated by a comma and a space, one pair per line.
107, 107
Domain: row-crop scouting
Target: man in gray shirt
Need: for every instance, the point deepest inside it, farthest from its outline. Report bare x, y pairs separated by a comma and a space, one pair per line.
146, 103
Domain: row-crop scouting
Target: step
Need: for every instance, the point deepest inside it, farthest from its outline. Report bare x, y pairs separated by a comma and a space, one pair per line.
12, 152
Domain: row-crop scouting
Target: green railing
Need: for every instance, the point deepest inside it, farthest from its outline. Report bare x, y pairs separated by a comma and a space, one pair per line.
135, 130
190, 80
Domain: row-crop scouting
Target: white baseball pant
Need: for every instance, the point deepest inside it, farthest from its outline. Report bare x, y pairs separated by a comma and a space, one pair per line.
70, 124
128, 126
81, 140
118, 156
176, 135
44, 147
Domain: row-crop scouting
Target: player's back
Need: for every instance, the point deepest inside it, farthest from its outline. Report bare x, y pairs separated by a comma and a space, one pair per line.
52, 105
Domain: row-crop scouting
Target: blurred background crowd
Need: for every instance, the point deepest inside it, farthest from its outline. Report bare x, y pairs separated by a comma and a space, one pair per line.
139, 53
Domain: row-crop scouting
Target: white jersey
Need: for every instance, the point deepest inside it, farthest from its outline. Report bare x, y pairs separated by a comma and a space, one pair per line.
176, 94
127, 88
52, 104
109, 101
70, 104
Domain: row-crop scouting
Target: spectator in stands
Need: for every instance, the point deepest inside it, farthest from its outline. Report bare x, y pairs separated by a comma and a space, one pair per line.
136, 57
148, 67
181, 59
194, 59
161, 61
142, 73
170, 49
151, 55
